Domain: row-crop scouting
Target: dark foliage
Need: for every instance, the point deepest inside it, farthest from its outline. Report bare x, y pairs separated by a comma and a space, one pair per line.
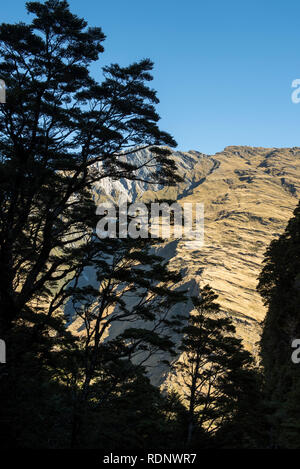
279, 286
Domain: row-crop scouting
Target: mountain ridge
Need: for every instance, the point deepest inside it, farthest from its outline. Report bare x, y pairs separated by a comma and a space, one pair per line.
249, 193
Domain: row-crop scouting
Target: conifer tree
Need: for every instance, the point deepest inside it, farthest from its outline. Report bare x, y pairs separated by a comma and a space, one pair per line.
211, 369
57, 123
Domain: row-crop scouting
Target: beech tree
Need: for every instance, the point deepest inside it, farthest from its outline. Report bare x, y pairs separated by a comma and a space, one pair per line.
58, 122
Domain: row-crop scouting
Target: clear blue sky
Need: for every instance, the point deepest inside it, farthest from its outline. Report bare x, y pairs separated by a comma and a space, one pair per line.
223, 69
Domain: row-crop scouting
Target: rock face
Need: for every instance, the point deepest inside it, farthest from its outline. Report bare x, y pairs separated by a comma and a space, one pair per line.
248, 194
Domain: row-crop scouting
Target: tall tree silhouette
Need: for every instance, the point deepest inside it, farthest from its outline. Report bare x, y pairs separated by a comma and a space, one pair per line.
57, 122
212, 368
279, 286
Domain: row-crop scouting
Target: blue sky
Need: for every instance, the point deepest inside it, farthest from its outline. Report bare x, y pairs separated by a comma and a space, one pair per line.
223, 69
